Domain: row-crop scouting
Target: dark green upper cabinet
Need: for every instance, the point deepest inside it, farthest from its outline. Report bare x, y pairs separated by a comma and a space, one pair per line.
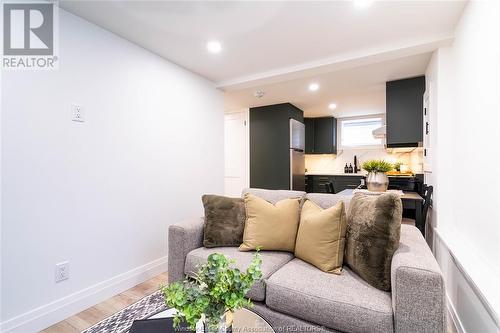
324, 135
321, 135
404, 112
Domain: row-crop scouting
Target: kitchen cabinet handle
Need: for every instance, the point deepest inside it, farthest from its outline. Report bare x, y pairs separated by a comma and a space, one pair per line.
426, 127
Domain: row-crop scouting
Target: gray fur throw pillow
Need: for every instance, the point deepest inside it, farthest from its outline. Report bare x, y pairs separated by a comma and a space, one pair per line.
224, 221
373, 230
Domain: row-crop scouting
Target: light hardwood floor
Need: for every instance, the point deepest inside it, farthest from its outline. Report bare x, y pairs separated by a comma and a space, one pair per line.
95, 314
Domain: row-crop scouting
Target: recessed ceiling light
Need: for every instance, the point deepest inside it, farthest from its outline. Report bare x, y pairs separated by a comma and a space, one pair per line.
259, 93
214, 46
313, 86
361, 4
332, 106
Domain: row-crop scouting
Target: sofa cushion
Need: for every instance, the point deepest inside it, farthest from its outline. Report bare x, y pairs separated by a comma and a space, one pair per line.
341, 302
326, 200
271, 262
273, 196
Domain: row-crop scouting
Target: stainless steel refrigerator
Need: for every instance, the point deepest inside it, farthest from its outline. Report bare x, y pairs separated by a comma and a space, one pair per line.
297, 162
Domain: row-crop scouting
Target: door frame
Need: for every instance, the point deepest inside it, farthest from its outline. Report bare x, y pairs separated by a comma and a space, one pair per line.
427, 125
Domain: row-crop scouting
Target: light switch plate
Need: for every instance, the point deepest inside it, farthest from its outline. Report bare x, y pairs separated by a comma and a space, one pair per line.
78, 113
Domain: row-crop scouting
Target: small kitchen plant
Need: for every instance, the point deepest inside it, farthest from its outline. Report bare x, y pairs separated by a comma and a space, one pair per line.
377, 180
213, 294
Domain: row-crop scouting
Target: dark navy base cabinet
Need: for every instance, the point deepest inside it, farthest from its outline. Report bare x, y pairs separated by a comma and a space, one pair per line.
318, 183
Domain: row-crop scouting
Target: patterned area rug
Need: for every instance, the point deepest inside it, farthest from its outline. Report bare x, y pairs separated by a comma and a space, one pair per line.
121, 321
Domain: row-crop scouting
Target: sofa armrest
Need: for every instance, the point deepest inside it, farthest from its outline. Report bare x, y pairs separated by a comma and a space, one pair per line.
418, 291
182, 238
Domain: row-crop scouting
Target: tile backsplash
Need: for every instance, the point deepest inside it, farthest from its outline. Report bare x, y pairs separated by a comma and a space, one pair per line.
336, 163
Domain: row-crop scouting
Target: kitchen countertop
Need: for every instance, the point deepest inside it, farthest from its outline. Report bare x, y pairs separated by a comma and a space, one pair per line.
313, 173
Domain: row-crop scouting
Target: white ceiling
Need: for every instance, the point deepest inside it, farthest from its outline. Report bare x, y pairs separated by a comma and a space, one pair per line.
356, 91
266, 39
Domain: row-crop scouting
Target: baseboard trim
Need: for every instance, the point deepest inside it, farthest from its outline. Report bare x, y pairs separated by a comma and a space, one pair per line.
474, 287
51, 313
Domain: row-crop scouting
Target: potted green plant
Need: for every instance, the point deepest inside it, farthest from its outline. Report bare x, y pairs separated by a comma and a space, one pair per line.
215, 292
377, 180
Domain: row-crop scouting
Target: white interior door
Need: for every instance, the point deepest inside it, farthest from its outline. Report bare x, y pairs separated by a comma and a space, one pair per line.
236, 176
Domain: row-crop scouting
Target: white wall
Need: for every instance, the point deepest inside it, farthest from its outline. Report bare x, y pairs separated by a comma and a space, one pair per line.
1, 211
465, 110
102, 193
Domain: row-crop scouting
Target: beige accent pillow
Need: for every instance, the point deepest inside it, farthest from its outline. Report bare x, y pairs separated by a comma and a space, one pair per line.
321, 236
268, 226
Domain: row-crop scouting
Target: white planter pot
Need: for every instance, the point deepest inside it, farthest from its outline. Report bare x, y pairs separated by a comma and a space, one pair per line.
377, 182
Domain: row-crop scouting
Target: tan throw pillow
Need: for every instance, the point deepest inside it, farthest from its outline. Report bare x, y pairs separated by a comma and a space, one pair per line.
321, 236
271, 227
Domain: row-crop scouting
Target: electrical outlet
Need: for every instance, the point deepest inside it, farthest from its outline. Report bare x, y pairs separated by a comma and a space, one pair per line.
78, 113
62, 271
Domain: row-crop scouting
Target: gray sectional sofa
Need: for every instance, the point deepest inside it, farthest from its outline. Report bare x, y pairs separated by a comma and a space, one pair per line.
296, 296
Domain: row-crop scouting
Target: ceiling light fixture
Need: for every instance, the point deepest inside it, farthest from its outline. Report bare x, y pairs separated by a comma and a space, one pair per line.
362, 4
214, 46
313, 86
332, 106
